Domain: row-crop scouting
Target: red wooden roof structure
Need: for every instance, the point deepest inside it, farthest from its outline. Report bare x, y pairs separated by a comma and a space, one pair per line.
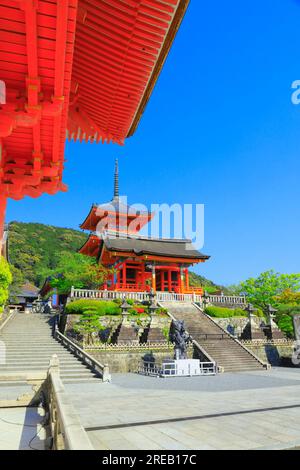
81, 68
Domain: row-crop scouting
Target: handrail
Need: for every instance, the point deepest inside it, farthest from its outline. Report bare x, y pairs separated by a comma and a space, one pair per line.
233, 338
66, 428
2, 325
90, 361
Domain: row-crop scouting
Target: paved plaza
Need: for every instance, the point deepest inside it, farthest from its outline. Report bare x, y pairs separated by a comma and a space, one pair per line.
21, 429
256, 410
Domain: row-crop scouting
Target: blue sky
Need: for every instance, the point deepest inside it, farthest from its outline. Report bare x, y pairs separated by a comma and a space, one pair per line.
220, 129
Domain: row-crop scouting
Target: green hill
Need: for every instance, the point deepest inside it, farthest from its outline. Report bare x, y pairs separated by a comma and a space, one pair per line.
34, 249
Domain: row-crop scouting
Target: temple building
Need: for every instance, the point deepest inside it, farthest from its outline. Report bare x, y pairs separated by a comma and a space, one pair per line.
139, 263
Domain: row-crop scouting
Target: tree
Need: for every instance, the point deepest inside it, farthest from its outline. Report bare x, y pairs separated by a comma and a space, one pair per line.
5, 281
266, 288
288, 297
74, 269
89, 324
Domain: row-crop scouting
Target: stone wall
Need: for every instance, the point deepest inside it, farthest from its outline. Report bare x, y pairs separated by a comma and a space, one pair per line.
112, 322
276, 354
129, 361
234, 325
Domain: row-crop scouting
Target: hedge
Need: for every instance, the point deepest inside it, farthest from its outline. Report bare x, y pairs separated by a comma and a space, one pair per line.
96, 306
221, 312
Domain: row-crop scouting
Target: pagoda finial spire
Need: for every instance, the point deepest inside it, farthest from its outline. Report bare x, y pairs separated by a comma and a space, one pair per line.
116, 179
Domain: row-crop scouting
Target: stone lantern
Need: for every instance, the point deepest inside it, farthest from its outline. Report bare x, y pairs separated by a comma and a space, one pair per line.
125, 307
152, 304
205, 298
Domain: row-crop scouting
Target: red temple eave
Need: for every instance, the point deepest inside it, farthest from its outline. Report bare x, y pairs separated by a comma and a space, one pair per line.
35, 61
97, 213
91, 246
123, 46
106, 255
84, 69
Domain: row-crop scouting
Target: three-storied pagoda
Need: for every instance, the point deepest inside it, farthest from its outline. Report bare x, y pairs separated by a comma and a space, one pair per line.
139, 263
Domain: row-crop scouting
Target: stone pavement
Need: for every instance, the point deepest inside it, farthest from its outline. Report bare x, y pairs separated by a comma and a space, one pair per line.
250, 410
21, 429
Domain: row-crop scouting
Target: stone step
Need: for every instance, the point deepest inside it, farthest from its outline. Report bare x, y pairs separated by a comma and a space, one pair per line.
31, 349
64, 368
18, 354
63, 361
225, 351
77, 375
29, 346
79, 380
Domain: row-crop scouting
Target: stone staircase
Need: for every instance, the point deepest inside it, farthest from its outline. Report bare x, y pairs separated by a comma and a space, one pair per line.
218, 344
29, 346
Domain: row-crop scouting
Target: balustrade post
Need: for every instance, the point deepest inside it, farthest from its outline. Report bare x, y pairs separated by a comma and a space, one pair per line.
54, 364
106, 377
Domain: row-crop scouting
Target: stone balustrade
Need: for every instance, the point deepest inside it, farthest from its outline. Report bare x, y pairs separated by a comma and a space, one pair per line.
66, 429
92, 363
160, 297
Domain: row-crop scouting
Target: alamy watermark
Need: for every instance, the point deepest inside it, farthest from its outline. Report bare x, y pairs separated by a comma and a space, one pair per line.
296, 93
176, 221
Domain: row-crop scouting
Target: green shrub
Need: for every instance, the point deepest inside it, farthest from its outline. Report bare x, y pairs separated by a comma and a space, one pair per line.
221, 312
285, 324
99, 307
5, 281
162, 311
166, 332
284, 318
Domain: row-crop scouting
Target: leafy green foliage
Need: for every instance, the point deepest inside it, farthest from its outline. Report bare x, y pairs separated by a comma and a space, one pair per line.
221, 312
88, 324
196, 280
35, 250
288, 297
79, 271
284, 318
264, 289
100, 307
5, 281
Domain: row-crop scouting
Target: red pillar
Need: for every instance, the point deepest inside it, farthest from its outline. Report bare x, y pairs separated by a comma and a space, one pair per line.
124, 274
153, 278
187, 278
181, 281
143, 280
169, 281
